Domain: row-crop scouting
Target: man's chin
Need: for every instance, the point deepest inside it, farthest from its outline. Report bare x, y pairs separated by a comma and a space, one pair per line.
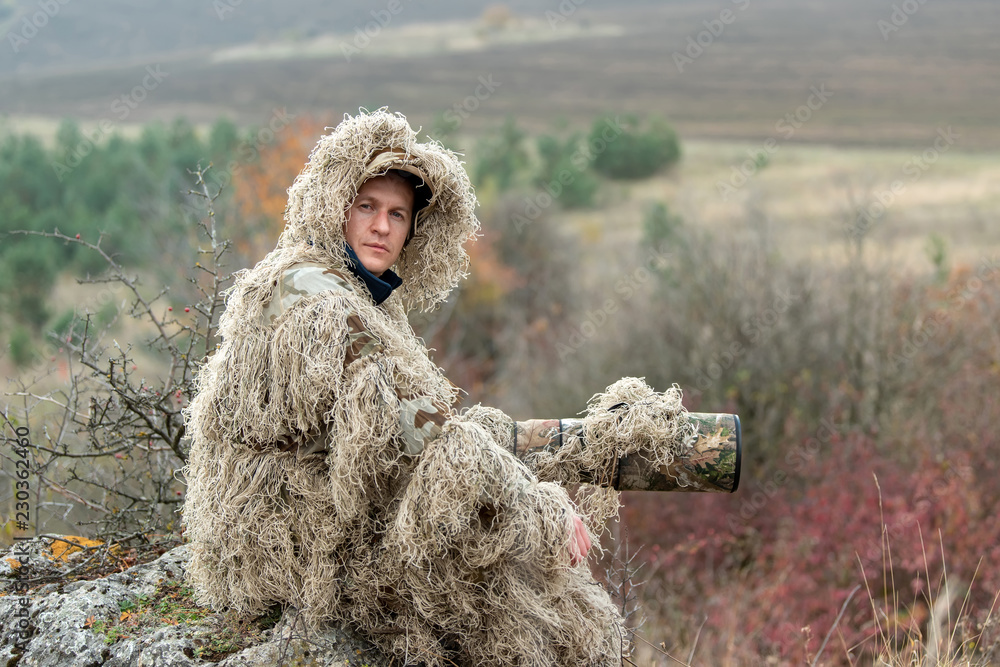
375, 267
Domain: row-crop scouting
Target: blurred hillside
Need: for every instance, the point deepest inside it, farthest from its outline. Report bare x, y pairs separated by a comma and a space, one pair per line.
714, 74
82, 36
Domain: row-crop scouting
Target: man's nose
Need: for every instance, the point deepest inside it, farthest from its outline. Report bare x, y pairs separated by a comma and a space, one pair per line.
381, 222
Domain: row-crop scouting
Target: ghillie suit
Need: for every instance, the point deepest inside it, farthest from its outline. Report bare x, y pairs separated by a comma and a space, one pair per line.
329, 470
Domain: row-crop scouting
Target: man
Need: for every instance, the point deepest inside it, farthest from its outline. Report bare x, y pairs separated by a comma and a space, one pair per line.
378, 225
329, 467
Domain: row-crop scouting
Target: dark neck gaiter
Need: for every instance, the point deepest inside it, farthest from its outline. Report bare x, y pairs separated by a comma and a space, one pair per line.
380, 287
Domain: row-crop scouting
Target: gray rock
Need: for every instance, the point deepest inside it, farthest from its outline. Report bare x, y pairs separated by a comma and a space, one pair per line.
61, 622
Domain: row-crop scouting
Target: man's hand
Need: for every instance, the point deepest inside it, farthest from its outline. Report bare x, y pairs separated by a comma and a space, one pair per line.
580, 543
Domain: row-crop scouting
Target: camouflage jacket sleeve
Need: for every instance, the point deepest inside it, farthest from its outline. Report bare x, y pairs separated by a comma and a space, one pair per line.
420, 417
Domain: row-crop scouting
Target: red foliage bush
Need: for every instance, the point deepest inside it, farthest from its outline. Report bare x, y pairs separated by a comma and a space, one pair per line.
898, 510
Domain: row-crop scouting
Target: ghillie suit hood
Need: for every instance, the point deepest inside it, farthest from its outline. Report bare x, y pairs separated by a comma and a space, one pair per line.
329, 469
434, 260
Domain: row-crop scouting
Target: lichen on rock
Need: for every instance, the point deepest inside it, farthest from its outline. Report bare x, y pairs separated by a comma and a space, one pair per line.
146, 616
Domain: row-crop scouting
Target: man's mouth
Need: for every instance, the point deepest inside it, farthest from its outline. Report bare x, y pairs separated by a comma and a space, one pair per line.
378, 246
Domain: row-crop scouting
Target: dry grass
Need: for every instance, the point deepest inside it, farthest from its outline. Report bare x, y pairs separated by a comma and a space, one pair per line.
803, 198
936, 628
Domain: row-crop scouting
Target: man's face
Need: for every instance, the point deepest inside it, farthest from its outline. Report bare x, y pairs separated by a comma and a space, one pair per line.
379, 221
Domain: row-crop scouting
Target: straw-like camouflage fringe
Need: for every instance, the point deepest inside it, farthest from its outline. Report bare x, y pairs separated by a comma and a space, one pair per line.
629, 418
493, 542
474, 549
496, 422
457, 555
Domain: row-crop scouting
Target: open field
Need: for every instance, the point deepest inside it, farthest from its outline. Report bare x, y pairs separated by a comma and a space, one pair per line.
806, 193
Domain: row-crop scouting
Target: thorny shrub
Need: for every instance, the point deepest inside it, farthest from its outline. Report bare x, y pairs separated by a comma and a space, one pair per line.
107, 442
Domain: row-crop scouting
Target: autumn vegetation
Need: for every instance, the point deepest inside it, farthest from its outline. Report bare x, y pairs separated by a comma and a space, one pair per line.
865, 527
